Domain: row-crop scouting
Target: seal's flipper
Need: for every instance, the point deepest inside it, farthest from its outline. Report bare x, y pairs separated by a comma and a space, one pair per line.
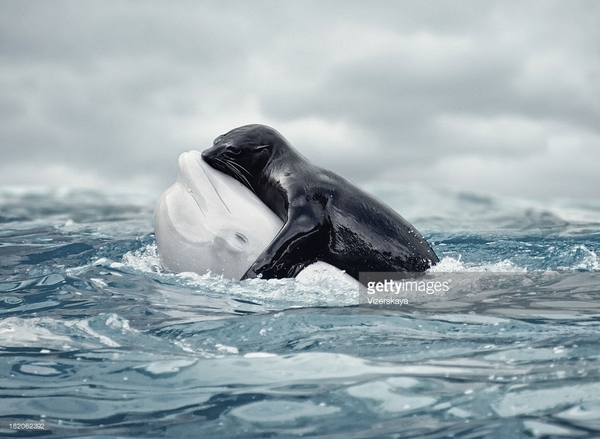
300, 242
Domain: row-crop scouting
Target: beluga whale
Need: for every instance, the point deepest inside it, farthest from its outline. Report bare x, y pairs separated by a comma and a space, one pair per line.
208, 222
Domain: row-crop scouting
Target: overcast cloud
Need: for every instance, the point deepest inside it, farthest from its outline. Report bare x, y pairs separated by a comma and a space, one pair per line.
483, 96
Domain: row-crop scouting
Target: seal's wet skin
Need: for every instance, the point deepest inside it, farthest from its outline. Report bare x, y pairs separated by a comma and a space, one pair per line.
326, 217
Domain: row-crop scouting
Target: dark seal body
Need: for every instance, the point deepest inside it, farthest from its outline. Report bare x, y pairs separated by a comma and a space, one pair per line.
325, 216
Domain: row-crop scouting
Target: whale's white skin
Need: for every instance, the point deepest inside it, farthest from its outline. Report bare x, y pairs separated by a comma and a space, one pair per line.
209, 222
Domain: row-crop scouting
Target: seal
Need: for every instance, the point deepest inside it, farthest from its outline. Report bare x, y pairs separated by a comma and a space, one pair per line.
325, 217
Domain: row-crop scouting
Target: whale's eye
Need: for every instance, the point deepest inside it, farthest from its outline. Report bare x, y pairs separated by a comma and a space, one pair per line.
242, 240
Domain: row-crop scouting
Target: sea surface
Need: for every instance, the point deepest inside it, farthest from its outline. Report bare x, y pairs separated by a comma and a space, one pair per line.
96, 340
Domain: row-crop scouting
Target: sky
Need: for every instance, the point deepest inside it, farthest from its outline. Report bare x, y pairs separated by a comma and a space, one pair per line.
498, 97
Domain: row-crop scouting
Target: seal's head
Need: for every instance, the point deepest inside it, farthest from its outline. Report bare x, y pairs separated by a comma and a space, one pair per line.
244, 152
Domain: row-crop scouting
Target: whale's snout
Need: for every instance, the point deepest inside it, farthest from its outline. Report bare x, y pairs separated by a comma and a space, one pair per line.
207, 221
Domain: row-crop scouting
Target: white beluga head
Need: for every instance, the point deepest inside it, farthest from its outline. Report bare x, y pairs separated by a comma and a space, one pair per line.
209, 222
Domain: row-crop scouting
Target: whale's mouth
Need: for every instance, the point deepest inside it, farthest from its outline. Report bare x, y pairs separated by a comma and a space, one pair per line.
197, 178
189, 206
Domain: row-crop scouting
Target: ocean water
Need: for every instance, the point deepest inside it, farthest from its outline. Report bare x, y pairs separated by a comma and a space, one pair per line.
96, 340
